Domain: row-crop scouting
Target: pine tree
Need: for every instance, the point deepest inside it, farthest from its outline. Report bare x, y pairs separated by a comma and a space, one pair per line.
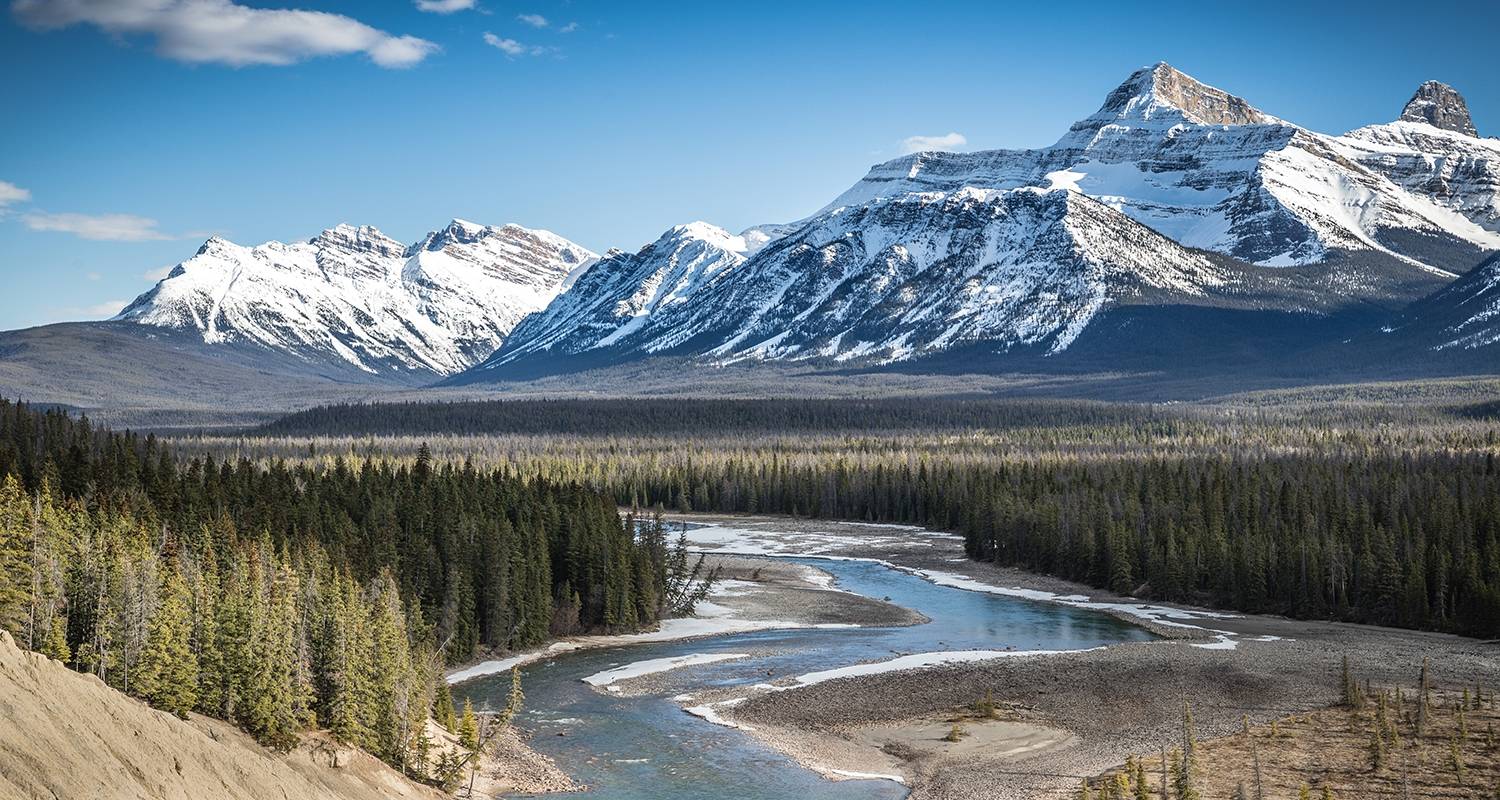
346, 664
274, 706
442, 709
1353, 697
468, 727
1424, 700
167, 674
15, 570
55, 646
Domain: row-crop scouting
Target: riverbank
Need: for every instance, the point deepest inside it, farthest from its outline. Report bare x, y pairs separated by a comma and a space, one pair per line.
752, 594
1091, 709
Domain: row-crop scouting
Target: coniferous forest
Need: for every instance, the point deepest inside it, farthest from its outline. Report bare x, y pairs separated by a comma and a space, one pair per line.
284, 598
1386, 514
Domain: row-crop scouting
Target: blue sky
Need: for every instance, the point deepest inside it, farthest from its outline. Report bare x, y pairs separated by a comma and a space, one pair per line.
128, 136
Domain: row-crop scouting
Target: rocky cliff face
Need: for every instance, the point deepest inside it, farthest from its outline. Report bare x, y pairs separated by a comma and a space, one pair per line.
1441, 106
357, 299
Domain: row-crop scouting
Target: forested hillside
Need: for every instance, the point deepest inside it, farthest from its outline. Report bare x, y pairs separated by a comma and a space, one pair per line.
289, 597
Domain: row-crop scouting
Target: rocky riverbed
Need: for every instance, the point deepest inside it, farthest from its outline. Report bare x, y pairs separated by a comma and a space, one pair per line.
1061, 716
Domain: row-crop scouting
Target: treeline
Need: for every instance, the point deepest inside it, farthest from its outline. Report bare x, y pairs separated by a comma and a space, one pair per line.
288, 597
1407, 539
692, 416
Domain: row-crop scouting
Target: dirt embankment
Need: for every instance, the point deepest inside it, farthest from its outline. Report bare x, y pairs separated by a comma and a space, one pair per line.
68, 735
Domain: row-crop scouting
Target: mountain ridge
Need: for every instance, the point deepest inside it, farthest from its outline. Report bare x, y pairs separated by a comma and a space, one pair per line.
1278, 219
356, 297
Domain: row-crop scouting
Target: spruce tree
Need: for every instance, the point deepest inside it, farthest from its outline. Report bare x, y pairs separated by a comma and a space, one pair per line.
167, 673
442, 708
468, 727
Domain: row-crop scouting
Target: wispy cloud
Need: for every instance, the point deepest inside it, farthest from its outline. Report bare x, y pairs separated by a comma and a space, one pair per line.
10, 194
919, 144
160, 273
568, 28
513, 48
444, 6
534, 20
99, 228
101, 310
225, 32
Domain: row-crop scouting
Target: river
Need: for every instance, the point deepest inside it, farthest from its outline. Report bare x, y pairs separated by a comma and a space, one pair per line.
648, 748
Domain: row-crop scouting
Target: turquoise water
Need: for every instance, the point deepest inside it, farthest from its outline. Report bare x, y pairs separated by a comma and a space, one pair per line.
648, 748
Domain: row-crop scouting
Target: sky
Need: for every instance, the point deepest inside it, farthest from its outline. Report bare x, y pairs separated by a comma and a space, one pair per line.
131, 130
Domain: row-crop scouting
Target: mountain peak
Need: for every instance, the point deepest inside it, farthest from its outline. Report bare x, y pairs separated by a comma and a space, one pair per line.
360, 239
1162, 85
1441, 106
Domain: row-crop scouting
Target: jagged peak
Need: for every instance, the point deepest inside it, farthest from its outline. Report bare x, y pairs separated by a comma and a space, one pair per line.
1163, 86
1441, 106
704, 232
358, 239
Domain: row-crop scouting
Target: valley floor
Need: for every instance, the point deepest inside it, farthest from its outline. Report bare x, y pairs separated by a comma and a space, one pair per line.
1067, 716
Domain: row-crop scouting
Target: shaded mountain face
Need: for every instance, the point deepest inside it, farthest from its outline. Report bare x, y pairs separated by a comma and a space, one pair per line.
1464, 317
1173, 194
355, 298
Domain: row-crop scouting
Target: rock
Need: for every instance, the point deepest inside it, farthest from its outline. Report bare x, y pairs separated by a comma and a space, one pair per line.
1441, 106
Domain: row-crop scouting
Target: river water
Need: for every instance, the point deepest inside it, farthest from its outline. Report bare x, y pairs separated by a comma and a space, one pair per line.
648, 748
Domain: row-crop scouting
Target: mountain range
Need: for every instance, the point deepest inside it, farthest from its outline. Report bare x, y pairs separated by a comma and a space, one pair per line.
1177, 227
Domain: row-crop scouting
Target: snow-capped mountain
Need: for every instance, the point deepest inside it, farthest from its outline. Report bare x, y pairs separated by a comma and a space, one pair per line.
1173, 193
621, 294
355, 298
887, 280
1433, 151
1206, 169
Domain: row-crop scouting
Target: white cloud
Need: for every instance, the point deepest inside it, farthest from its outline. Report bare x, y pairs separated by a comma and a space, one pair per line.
534, 20
513, 48
106, 309
225, 32
444, 6
10, 194
99, 228
160, 273
919, 144
568, 28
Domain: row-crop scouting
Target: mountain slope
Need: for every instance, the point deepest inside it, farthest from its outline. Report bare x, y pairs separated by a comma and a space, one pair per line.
1464, 317
356, 299
886, 281
1433, 151
624, 292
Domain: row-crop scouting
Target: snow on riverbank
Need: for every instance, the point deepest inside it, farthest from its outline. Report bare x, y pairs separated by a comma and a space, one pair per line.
710, 619
656, 665
917, 661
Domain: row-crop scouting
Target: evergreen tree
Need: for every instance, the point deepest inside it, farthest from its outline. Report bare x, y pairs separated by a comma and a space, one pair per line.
167, 675
468, 727
442, 709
